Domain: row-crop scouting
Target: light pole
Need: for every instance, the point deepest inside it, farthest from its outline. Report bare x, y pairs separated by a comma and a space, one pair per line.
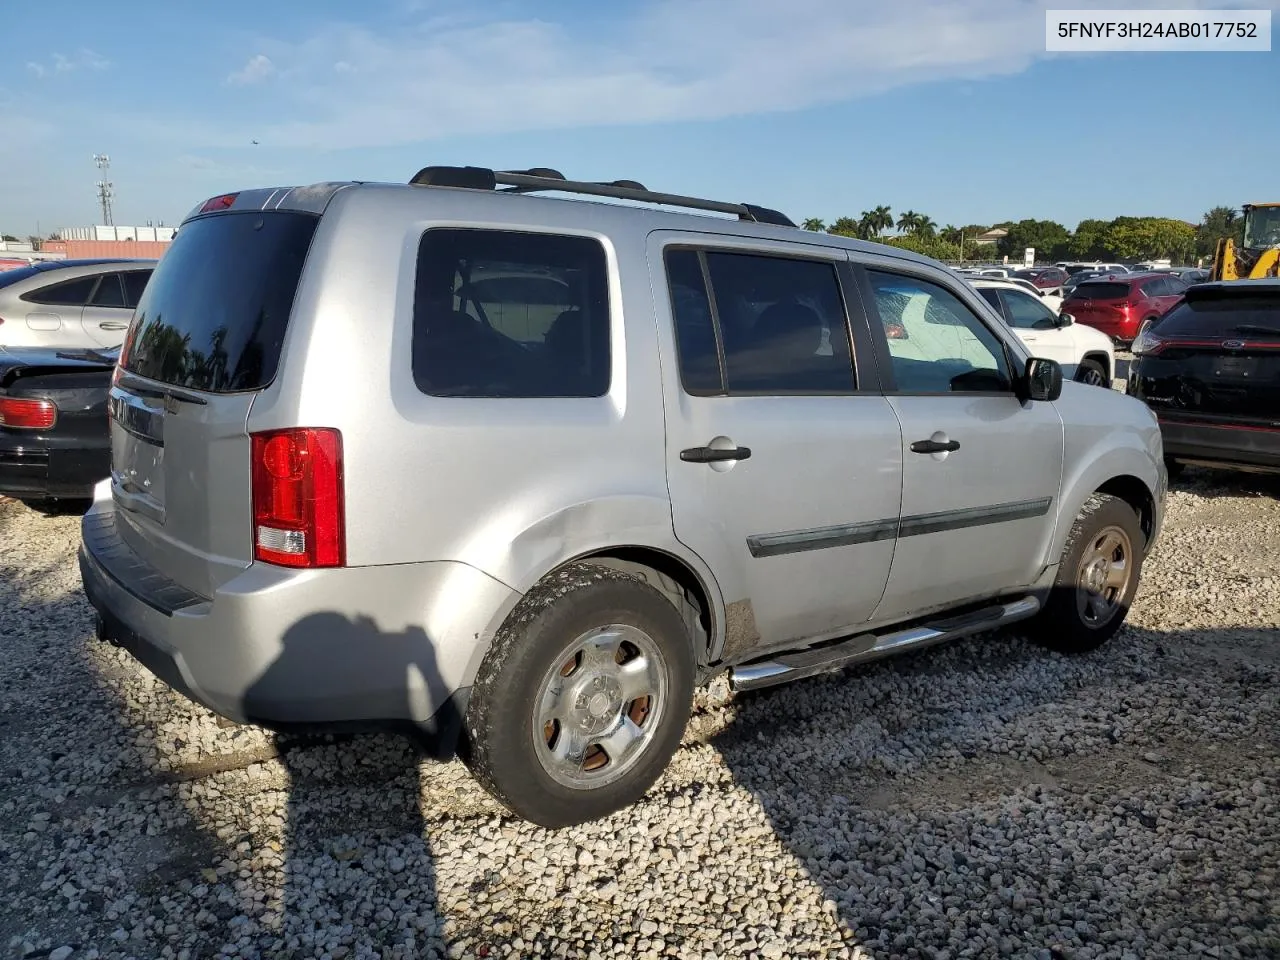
105, 187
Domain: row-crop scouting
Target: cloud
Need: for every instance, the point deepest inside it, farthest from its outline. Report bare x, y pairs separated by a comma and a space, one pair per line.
60, 63
444, 75
258, 68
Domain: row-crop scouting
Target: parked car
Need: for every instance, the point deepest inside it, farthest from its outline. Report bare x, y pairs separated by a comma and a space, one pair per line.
1119, 306
54, 438
1083, 353
1191, 275
724, 462
70, 303
1050, 299
1075, 279
1210, 368
1074, 268
1044, 278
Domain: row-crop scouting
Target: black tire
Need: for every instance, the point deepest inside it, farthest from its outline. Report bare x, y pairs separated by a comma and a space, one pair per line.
1091, 371
1064, 624
499, 745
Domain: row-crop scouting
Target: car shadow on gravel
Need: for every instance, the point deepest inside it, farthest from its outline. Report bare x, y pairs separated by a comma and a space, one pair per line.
132, 821
336, 843
991, 798
1215, 483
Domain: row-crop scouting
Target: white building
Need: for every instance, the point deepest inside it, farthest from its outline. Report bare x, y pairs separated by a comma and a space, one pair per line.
152, 233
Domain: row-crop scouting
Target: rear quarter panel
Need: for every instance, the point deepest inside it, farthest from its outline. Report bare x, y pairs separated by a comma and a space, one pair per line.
511, 487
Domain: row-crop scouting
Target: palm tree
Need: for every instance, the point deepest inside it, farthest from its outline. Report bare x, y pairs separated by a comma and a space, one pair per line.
907, 221
924, 227
877, 221
845, 227
813, 223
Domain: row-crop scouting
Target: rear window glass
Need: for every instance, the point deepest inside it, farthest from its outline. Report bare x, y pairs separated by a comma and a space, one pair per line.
1258, 316
1101, 291
214, 313
511, 314
69, 293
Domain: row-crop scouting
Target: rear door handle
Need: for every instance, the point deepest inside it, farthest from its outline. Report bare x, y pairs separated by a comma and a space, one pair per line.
935, 446
714, 454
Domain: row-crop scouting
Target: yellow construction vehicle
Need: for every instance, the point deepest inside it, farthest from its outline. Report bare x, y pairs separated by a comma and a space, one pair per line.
1259, 255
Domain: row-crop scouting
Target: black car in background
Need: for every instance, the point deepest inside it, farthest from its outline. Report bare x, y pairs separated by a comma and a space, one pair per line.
55, 441
1210, 369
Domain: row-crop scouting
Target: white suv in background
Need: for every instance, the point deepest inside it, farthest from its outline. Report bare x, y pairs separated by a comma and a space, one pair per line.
1084, 353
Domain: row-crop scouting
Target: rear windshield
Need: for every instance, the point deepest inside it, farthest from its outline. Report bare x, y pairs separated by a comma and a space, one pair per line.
1101, 291
214, 313
1241, 318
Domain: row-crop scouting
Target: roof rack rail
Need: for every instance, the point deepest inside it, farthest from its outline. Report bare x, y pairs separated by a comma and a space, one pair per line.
544, 178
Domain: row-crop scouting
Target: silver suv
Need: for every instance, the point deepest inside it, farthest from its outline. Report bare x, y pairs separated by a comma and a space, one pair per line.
521, 471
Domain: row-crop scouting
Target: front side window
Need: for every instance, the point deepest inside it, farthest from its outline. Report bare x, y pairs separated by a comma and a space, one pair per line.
511, 314
936, 343
1026, 312
768, 324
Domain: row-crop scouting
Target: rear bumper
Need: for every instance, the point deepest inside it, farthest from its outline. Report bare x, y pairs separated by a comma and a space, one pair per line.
1123, 331
31, 471
1218, 444
362, 646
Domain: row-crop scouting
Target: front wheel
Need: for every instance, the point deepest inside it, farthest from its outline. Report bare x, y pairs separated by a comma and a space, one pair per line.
1097, 577
1091, 372
582, 699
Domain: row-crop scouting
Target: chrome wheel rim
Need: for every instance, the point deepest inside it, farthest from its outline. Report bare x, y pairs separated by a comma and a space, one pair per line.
1102, 579
599, 705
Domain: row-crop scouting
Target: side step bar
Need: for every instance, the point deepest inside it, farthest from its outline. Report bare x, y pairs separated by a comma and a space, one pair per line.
868, 646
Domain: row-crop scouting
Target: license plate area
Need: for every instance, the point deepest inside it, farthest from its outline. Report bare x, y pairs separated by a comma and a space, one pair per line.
1235, 368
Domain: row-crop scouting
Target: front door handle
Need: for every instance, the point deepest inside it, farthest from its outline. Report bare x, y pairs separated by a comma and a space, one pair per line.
935, 446
714, 454
112, 325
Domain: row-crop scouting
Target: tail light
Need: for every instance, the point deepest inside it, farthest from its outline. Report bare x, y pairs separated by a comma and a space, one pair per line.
1146, 343
27, 414
298, 512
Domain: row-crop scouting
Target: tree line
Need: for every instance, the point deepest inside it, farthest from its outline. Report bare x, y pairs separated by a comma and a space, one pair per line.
1123, 238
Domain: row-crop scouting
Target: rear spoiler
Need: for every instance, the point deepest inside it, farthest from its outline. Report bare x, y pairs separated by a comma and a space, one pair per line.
313, 198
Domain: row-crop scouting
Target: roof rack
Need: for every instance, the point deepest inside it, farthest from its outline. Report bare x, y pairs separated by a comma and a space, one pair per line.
544, 178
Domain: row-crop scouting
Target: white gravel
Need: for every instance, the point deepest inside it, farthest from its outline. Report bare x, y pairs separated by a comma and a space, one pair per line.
985, 799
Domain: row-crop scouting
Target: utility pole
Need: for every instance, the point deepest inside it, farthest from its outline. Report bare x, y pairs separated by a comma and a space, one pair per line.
105, 191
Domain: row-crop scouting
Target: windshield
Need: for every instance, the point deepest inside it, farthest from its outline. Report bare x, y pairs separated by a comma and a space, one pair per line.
1262, 227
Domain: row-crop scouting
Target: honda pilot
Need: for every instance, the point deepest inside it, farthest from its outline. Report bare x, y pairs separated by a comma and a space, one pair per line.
520, 471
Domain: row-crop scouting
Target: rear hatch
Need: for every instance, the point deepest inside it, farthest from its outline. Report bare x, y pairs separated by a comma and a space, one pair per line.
1215, 359
1101, 302
205, 339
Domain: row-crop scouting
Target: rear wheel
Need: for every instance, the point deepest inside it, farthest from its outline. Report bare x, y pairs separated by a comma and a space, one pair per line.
1091, 372
1097, 577
582, 699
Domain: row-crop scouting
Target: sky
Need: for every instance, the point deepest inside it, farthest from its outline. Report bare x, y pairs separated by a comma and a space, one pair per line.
820, 108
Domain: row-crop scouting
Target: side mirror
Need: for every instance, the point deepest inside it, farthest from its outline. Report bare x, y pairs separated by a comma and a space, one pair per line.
1042, 380
1065, 319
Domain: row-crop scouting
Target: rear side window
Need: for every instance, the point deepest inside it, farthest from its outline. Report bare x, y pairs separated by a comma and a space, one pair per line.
770, 325
214, 313
109, 293
1101, 291
69, 293
511, 314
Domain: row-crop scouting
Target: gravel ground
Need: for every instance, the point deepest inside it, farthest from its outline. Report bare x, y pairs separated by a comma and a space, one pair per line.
983, 799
